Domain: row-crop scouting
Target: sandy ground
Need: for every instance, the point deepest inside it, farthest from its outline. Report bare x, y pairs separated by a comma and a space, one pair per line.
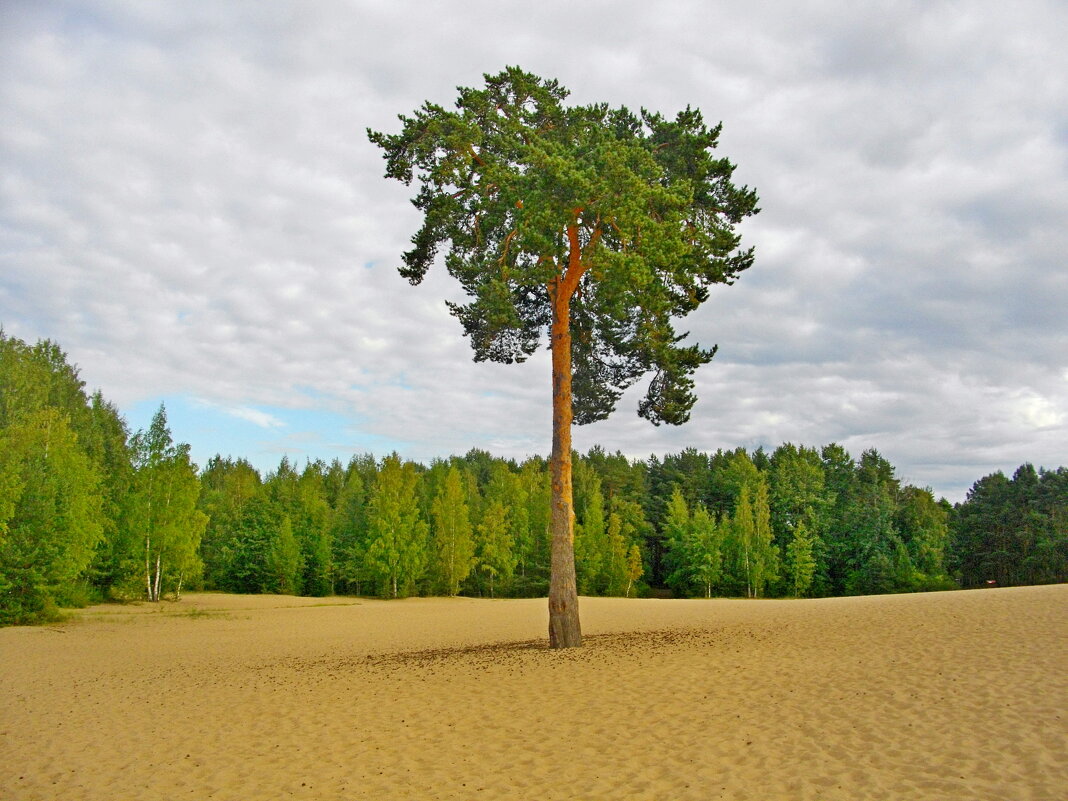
960, 695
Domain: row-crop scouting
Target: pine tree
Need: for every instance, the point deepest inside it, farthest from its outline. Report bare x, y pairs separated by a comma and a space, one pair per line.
596, 225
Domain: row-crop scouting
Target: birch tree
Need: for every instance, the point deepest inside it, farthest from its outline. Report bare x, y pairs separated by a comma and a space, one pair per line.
454, 546
396, 554
166, 489
50, 514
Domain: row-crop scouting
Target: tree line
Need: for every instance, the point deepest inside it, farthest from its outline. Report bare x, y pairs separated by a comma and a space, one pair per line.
90, 510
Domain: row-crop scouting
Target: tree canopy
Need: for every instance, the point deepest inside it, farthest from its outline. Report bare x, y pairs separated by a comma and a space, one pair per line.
526, 194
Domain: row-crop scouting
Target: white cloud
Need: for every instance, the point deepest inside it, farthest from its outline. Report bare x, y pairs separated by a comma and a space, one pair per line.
190, 206
254, 416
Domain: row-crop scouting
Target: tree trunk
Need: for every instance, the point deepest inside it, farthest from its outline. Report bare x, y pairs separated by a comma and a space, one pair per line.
564, 628
148, 568
159, 575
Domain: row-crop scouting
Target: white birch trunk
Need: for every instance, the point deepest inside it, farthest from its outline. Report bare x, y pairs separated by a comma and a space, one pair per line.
159, 574
148, 567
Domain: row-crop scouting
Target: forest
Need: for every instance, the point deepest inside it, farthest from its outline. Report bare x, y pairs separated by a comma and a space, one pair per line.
91, 511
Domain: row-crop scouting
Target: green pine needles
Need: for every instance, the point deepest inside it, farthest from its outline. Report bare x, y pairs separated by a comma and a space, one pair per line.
521, 190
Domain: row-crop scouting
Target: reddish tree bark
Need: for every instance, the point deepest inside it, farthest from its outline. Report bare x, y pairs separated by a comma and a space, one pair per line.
564, 628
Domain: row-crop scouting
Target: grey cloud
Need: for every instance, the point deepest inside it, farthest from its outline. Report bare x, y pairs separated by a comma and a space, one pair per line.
190, 205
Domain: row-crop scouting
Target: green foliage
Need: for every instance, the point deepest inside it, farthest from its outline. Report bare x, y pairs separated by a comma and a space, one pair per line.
397, 534
312, 518
163, 510
623, 563
516, 185
706, 550
256, 528
635, 568
532, 541
283, 568
87, 509
800, 561
1012, 531
349, 534
226, 487
592, 545
453, 543
50, 514
677, 533
494, 552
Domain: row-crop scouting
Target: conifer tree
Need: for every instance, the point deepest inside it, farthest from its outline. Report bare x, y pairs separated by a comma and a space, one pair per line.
349, 534
595, 225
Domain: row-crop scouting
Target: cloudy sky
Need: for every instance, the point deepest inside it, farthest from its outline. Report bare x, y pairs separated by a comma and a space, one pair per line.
190, 207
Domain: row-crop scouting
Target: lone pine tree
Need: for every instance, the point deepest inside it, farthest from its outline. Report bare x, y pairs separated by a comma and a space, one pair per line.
594, 224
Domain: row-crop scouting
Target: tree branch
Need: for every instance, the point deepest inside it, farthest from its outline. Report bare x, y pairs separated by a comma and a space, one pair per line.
507, 242
475, 156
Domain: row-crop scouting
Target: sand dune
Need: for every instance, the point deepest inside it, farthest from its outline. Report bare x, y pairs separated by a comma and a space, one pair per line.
959, 695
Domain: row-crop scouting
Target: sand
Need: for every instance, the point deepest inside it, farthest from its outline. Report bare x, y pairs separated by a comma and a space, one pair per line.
959, 695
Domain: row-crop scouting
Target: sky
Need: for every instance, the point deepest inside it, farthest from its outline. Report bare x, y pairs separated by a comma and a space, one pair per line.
190, 207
